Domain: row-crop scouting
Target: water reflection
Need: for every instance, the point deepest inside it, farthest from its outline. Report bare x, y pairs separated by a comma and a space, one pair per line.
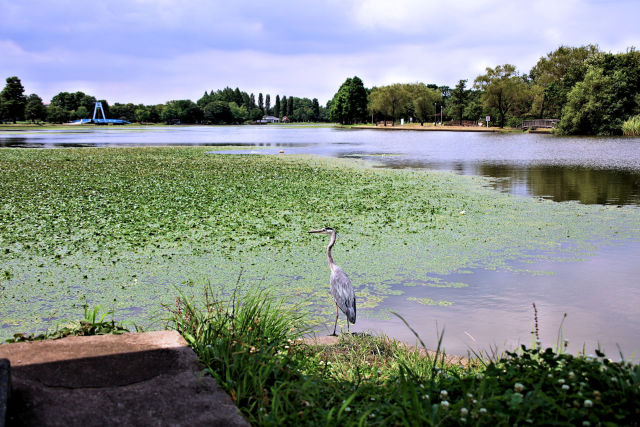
588, 170
557, 183
600, 295
589, 186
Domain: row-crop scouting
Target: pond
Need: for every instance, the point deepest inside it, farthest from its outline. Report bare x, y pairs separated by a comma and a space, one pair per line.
589, 170
600, 292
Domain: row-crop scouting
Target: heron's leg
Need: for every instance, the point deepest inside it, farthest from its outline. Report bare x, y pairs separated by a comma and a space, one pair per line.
335, 325
348, 326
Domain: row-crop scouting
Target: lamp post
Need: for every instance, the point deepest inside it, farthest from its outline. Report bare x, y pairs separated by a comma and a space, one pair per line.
435, 112
441, 115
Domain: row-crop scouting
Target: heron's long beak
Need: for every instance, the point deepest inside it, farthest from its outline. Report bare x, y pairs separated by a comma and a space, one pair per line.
315, 231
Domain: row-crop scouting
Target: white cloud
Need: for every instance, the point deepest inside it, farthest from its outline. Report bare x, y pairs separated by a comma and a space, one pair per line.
152, 51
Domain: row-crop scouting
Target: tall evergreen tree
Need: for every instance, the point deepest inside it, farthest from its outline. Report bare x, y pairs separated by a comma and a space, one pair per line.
252, 99
267, 104
261, 102
237, 96
276, 107
13, 99
290, 109
285, 110
458, 100
316, 110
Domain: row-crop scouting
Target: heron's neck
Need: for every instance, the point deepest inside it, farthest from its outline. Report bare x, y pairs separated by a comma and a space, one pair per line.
333, 240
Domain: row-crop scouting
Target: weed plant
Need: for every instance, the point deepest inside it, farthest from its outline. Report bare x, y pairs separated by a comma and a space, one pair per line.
93, 323
632, 126
253, 347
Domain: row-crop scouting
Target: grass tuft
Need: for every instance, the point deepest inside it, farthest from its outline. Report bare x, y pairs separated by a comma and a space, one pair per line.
93, 323
632, 126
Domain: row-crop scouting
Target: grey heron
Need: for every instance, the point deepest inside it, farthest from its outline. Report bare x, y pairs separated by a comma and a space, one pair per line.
341, 288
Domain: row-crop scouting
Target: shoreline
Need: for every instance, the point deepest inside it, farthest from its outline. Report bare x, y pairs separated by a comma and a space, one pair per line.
432, 128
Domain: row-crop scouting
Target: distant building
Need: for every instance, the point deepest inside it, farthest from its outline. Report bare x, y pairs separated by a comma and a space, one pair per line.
269, 119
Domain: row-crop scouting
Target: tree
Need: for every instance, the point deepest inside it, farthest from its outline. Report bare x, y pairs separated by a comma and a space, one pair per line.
290, 106
35, 110
458, 100
502, 89
239, 113
473, 110
3, 111
237, 97
608, 95
260, 103
142, 115
13, 99
316, 109
284, 106
267, 104
81, 113
276, 108
218, 112
183, 110
57, 114
555, 75
421, 99
349, 104
389, 100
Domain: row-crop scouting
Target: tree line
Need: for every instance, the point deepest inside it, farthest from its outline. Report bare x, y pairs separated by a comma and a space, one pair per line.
591, 92
225, 106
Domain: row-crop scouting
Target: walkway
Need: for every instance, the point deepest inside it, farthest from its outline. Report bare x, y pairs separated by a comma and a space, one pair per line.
142, 379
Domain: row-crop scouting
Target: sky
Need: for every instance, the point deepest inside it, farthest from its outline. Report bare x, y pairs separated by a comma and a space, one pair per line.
153, 51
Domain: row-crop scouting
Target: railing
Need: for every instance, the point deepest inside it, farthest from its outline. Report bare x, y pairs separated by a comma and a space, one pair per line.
539, 123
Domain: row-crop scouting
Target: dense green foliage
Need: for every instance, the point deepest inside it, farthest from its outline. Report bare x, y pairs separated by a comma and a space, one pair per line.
252, 346
12, 100
35, 110
608, 95
349, 104
225, 106
554, 76
503, 90
592, 92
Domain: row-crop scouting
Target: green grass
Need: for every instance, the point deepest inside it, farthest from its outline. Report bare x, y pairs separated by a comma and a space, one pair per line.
632, 126
119, 227
251, 345
93, 323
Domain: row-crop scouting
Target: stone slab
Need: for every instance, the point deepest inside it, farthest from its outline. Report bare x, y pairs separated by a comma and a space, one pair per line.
141, 379
5, 387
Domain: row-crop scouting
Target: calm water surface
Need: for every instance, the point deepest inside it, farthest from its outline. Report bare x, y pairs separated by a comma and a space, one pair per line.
600, 294
589, 170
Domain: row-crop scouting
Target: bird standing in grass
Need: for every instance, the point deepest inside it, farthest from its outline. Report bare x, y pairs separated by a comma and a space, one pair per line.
341, 288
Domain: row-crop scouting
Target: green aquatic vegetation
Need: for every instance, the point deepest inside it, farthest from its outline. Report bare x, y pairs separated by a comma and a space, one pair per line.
429, 301
121, 227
